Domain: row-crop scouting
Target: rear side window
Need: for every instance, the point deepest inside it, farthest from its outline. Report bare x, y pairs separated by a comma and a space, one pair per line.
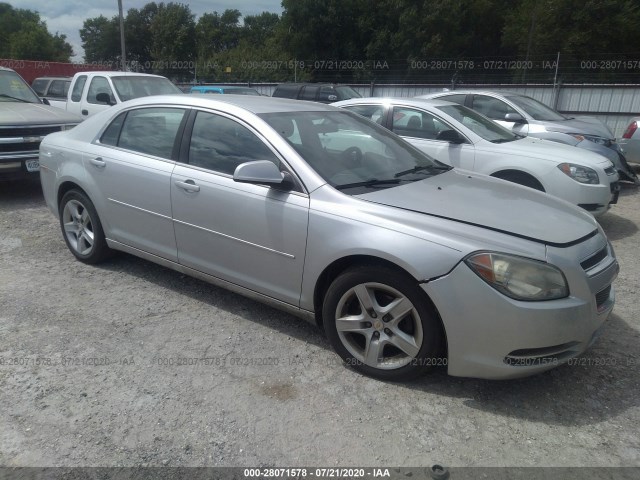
58, 88
76, 95
40, 86
112, 133
309, 93
459, 98
151, 131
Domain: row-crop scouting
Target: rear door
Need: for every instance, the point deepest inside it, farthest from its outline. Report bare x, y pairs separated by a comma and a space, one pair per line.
130, 166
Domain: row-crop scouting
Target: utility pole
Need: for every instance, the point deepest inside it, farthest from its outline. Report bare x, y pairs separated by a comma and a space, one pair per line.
122, 51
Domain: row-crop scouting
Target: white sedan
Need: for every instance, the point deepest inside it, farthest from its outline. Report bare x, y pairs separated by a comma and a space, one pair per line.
630, 141
463, 138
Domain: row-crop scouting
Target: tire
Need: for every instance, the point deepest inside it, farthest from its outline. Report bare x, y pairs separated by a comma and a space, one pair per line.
523, 179
81, 228
381, 324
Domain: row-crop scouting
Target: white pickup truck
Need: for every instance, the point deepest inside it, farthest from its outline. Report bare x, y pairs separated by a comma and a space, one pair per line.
92, 92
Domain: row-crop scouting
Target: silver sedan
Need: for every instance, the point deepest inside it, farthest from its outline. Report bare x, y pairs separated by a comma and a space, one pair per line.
405, 262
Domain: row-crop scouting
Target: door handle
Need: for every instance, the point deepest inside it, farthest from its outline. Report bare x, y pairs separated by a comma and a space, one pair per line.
188, 185
85, 112
98, 162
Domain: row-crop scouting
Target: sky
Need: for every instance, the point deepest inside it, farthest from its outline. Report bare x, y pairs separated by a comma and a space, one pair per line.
67, 16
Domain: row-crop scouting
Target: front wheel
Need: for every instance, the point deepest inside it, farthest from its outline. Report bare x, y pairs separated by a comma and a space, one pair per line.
380, 322
81, 228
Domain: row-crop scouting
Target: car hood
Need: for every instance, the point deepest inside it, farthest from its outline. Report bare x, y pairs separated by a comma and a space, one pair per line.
585, 125
546, 150
483, 201
16, 114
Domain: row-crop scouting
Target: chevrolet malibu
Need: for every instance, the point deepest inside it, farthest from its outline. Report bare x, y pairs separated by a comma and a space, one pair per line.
406, 263
461, 137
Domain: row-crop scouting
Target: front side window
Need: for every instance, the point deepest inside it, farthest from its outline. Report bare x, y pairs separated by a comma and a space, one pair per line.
537, 110
478, 124
457, 98
221, 144
491, 107
97, 86
351, 153
147, 130
410, 122
40, 86
374, 113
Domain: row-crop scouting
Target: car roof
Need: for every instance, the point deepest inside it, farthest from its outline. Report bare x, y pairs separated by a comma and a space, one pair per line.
416, 102
110, 73
482, 92
250, 103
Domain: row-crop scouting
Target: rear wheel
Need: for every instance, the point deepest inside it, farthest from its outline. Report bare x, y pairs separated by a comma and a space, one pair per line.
381, 323
81, 228
520, 178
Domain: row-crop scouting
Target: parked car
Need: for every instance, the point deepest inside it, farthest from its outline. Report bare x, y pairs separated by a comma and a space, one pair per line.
92, 92
630, 141
463, 138
53, 89
315, 92
24, 122
405, 262
526, 116
222, 89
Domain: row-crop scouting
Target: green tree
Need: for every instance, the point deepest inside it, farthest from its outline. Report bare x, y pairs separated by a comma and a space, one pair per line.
100, 39
172, 33
23, 35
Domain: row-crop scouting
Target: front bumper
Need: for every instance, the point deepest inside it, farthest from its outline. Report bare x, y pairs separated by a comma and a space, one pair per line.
14, 167
492, 336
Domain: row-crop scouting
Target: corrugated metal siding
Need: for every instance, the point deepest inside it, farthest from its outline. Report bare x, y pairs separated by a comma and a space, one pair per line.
613, 104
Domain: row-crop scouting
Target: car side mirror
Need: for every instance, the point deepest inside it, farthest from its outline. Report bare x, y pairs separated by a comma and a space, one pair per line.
45, 101
450, 136
263, 172
104, 98
514, 117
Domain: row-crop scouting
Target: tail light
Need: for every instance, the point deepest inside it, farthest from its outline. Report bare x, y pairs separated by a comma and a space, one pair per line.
631, 129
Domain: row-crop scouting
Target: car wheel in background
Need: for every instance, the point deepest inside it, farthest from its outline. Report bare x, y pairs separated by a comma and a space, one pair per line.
521, 179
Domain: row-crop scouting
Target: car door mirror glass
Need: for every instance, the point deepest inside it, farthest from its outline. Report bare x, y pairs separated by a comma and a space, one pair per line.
514, 117
450, 136
261, 172
103, 98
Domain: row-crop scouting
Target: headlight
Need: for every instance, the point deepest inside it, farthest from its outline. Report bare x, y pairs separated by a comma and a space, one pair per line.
579, 173
592, 138
67, 127
519, 278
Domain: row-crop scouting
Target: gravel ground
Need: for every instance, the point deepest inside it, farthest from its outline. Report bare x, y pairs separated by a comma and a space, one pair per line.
131, 364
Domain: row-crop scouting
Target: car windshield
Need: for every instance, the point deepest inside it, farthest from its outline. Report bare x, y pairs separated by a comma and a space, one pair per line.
241, 91
14, 89
537, 110
479, 124
351, 153
132, 86
347, 93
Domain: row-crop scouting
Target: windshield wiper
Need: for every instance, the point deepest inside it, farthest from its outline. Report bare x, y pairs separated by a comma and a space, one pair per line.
419, 168
503, 140
4, 95
372, 182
